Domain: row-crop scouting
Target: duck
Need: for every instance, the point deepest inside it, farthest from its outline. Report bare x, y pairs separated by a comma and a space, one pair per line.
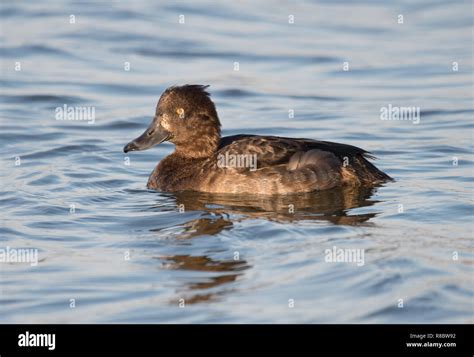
204, 161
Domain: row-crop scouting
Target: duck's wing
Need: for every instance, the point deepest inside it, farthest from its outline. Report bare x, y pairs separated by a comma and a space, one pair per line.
270, 150
349, 162
274, 150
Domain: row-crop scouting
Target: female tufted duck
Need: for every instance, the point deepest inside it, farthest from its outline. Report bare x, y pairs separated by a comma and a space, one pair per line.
204, 161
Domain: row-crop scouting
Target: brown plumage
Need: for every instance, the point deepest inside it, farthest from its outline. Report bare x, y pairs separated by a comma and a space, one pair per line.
203, 161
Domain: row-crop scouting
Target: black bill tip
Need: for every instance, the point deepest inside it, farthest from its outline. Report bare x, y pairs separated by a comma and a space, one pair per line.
131, 146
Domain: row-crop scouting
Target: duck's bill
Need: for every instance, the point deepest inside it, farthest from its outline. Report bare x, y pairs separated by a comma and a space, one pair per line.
151, 137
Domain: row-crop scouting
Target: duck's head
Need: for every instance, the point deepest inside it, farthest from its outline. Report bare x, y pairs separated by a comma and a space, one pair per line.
185, 116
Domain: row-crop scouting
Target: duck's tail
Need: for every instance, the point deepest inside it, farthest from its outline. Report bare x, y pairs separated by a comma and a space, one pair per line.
361, 170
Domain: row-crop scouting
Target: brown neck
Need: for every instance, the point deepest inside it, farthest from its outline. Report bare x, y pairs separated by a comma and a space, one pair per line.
199, 146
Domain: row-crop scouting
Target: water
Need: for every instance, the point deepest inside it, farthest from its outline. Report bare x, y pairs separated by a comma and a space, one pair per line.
121, 253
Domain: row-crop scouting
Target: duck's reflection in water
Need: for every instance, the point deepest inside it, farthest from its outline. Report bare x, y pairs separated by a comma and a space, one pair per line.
209, 288
222, 211
330, 205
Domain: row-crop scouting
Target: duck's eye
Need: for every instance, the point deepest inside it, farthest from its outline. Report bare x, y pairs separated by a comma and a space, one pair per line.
180, 112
